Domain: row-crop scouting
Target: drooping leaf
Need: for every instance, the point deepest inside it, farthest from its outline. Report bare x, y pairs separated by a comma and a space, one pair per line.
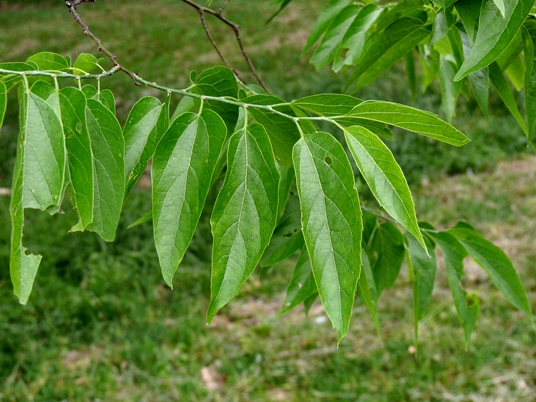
38, 181
308, 303
424, 268
384, 177
245, 214
85, 63
494, 34
366, 290
285, 184
108, 147
496, 263
49, 61
450, 89
3, 102
440, 28
529, 37
282, 131
219, 81
80, 155
182, 172
332, 41
411, 119
287, 237
145, 125
479, 80
498, 80
329, 13
409, 62
466, 306
302, 285
331, 222
388, 248
387, 48
469, 11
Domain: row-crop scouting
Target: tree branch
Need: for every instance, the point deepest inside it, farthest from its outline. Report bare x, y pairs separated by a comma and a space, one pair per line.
71, 5
236, 29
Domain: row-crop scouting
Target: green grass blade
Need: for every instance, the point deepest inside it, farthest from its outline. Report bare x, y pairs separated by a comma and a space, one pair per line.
384, 177
108, 147
411, 119
245, 214
183, 167
331, 222
496, 263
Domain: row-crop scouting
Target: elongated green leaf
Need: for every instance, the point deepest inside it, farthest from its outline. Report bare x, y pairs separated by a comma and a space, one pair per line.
285, 184
219, 81
529, 37
388, 248
80, 156
366, 290
146, 123
496, 263
329, 13
328, 105
498, 80
388, 47
283, 132
108, 147
494, 34
49, 61
409, 62
3, 102
469, 11
331, 43
449, 88
466, 306
384, 177
287, 237
500, 6
308, 303
331, 222
479, 82
245, 214
182, 172
302, 285
401, 9
424, 268
38, 181
411, 119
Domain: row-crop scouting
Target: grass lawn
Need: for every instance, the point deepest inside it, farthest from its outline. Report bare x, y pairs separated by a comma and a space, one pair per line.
102, 325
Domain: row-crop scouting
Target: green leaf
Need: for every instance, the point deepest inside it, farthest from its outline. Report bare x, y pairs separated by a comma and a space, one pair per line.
49, 61
287, 237
186, 104
384, 177
466, 306
387, 48
388, 248
90, 91
38, 181
498, 80
496, 263
10, 80
108, 147
302, 285
144, 127
469, 11
424, 268
285, 184
331, 222
80, 156
500, 6
331, 43
182, 172
409, 62
494, 34
329, 105
106, 97
219, 81
440, 28
283, 5
529, 37
283, 132
411, 119
366, 290
402, 9
245, 214
308, 303
329, 13
85, 63
450, 89
3, 102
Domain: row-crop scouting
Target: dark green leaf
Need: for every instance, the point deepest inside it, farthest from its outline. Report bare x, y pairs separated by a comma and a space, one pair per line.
182, 172
469, 11
283, 132
530, 79
245, 214
384, 177
3, 102
302, 285
108, 147
411, 119
466, 306
450, 89
331, 222
409, 62
80, 156
496, 263
494, 34
366, 290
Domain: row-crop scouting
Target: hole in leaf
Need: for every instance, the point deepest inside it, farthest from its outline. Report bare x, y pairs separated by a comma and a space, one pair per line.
328, 161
